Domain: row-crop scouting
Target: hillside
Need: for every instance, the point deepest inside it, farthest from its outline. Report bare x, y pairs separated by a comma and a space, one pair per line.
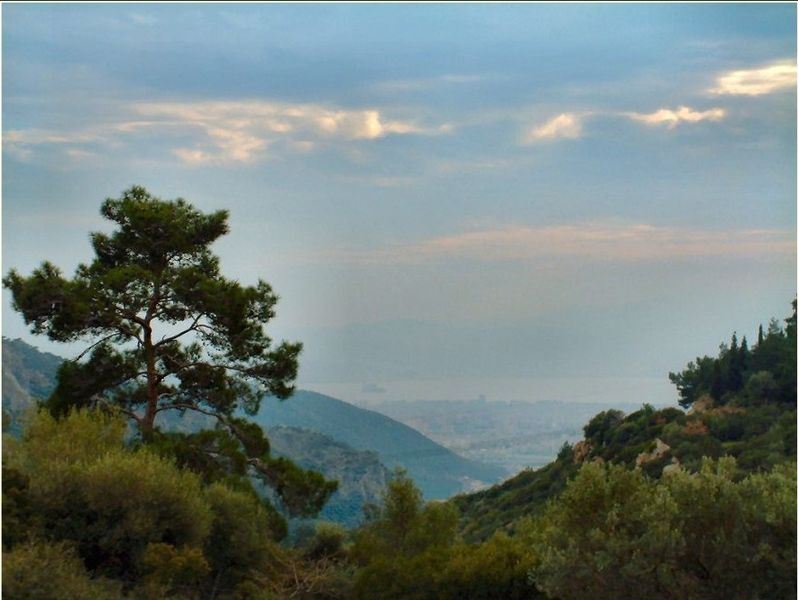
28, 374
514, 435
360, 475
741, 403
438, 471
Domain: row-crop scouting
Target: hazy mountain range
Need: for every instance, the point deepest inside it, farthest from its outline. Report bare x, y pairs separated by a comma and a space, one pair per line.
438, 471
353, 445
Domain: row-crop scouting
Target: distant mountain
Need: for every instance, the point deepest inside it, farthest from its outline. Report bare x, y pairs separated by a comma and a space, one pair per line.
360, 475
439, 472
28, 375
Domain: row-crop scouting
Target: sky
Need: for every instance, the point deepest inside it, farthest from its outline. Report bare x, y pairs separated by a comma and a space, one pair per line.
521, 201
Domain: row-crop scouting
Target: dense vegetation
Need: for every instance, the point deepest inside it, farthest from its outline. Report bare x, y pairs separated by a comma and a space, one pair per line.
98, 502
121, 519
738, 376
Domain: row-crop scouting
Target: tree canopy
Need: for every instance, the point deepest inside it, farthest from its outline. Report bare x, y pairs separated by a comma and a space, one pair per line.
173, 332
764, 374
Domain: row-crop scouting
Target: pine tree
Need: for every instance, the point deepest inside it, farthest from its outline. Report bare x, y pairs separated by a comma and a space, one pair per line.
168, 332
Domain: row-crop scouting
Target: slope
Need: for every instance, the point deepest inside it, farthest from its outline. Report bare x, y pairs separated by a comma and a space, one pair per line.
439, 472
741, 403
28, 375
360, 475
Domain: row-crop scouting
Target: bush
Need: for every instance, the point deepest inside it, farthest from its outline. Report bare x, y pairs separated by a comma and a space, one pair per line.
327, 542
405, 546
124, 502
615, 533
240, 539
602, 536
497, 569
129, 514
44, 571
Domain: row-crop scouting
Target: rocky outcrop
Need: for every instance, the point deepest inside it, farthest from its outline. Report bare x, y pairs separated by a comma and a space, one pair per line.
674, 467
703, 404
581, 451
696, 427
659, 451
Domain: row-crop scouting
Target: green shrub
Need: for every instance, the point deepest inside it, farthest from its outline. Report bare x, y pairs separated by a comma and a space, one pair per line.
327, 542
615, 533
46, 571
497, 569
240, 539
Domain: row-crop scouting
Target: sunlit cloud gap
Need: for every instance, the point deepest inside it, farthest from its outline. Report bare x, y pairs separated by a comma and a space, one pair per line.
637, 242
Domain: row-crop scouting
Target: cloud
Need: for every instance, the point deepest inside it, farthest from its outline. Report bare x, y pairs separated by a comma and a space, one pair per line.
32, 137
20, 142
194, 157
240, 132
634, 242
80, 154
683, 114
232, 131
569, 125
565, 125
270, 118
756, 82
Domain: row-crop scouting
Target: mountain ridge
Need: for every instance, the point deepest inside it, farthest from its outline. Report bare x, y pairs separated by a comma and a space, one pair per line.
440, 473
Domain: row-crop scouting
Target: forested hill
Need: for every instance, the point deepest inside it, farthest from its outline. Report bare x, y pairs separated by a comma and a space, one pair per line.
438, 471
740, 403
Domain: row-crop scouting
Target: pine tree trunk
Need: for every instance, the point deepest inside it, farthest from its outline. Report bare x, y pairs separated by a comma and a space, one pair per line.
148, 422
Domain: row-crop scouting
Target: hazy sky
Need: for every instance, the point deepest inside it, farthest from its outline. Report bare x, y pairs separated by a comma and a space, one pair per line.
521, 201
